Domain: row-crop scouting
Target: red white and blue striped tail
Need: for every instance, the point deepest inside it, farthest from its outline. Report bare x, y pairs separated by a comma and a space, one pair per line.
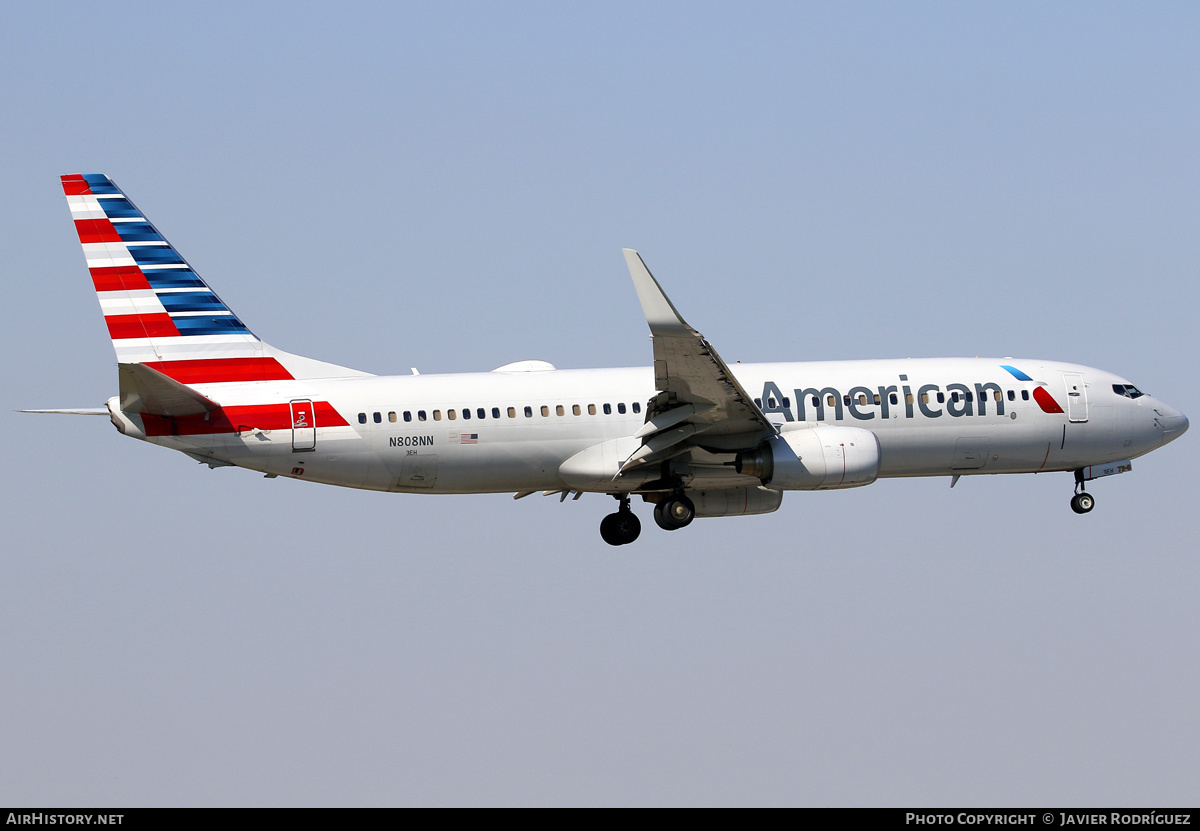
158, 310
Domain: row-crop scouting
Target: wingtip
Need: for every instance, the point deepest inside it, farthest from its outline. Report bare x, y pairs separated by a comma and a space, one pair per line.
661, 314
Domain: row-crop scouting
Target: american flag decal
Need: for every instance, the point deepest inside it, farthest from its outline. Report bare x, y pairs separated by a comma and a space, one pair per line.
468, 438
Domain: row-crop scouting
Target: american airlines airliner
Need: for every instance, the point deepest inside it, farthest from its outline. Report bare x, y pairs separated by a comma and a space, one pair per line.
691, 435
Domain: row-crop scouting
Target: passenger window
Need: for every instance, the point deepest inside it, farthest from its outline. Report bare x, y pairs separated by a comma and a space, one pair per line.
482, 413
908, 398
637, 408
621, 409
954, 397
831, 400
846, 400
512, 412
545, 411
787, 402
875, 399
862, 399
450, 415
608, 409
392, 418
558, 409
408, 415
1012, 396
420, 415
362, 418
924, 398
1024, 395
591, 409
496, 412
529, 412
816, 402
575, 409
758, 402
437, 415
893, 398
996, 395
970, 396
466, 413
941, 398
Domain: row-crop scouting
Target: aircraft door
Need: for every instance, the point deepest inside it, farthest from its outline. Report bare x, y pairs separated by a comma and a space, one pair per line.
1077, 404
304, 425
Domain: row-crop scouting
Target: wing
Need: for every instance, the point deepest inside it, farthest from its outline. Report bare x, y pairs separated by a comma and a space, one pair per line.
699, 401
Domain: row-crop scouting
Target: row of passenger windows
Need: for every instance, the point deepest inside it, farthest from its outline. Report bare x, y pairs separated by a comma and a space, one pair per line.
863, 400
511, 412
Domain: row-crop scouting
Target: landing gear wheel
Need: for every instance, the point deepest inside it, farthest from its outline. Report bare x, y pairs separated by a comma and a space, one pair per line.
1081, 503
674, 513
661, 520
620, 528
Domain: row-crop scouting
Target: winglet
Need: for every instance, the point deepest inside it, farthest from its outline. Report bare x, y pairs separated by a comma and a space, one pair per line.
660, 313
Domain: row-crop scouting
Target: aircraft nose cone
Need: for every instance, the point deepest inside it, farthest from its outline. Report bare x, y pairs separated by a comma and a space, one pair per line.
1172, 423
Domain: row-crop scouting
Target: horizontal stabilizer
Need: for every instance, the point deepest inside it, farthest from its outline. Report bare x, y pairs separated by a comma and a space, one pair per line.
146, 390
101, 411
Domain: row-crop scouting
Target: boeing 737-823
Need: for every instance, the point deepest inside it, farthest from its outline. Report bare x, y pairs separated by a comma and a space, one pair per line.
692, 435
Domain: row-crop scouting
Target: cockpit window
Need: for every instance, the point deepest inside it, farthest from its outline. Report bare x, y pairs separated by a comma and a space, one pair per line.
1127, 390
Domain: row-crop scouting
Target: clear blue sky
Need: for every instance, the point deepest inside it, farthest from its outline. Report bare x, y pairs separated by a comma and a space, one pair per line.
448, 186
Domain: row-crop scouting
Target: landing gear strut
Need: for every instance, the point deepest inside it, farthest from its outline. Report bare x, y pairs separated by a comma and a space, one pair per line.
674, 512
622, 527
1082, 501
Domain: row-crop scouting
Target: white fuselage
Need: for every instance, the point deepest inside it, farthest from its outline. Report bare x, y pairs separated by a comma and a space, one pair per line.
932, 417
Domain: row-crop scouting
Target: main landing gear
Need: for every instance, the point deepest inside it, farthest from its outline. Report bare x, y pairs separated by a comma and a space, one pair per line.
674, 512
671, 514
622, 527
1082, 501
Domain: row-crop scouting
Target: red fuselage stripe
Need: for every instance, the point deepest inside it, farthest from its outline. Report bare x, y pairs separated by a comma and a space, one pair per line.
1045, 400
237, 419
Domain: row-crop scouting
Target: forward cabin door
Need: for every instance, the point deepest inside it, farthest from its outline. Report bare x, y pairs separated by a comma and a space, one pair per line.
1077, 404
304, 425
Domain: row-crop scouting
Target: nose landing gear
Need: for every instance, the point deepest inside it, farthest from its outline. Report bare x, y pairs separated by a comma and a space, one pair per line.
1082, 501
623, 527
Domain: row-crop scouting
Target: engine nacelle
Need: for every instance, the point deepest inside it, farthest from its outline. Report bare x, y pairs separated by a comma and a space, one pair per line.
736, 501
816, 458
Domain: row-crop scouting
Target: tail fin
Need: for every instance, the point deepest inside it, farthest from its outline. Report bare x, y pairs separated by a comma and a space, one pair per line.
158, 310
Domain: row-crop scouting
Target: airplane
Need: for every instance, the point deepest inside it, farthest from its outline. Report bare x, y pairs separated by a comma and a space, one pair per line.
691, 435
